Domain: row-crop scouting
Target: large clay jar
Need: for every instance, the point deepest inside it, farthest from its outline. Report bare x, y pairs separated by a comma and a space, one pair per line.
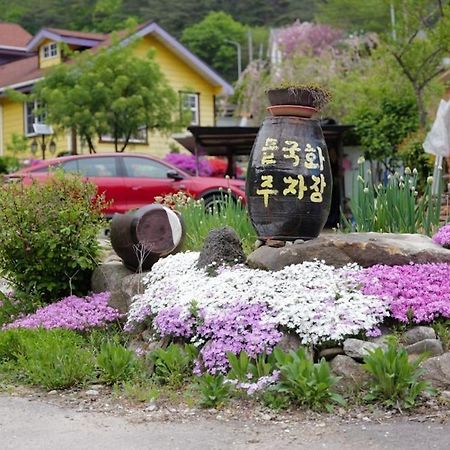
144, 235
289, 180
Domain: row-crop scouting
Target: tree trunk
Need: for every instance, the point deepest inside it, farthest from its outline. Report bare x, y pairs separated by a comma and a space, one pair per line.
421, 107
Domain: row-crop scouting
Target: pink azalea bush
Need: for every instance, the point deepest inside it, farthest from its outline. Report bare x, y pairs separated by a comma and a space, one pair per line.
188, 163
416, 292
73, 313
442, 237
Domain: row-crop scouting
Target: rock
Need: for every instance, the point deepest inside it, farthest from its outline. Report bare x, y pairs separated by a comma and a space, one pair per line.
445, 395
152, 406
352, 373
330, 353
289, 341
132, 285
299, 241
222, 246
437, 371
108, 277
92, 392
274, 243
365, 249
417, 334
258, 243
357, 349
432, 346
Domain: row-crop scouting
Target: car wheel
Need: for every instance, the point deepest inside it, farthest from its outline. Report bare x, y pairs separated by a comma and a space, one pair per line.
215, 202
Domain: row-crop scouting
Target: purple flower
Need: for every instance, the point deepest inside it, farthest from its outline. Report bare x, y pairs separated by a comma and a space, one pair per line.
416, 292
73, 313
442, 237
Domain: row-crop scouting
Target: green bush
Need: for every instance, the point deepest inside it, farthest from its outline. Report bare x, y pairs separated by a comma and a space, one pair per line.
242, 366
304, 382
9, 164
173, 365
394, 379
49, 234
116, 363
213, 390
54, 359
11, 343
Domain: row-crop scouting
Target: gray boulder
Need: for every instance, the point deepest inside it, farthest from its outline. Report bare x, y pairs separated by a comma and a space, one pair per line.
437, 371
352, 375
357, 349
366, 249
431, 346
417, 334
222, 246
108, 277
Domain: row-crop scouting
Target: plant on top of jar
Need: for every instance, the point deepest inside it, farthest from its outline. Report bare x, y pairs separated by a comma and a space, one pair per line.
291, 93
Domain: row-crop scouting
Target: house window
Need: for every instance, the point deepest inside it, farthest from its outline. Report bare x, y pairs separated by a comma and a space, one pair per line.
190, 104
31, 117
138, 138
50, 50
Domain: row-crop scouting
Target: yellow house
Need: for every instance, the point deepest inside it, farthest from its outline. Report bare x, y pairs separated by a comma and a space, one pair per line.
24, 60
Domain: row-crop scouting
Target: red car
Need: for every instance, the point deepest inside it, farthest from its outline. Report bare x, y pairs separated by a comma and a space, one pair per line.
134, 180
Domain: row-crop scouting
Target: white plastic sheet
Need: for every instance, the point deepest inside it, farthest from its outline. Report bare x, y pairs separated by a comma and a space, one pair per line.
437, 142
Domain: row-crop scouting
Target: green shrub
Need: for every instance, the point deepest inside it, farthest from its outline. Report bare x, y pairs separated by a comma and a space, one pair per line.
304, 382
242, 366
213, 390
55, 359
9, 164
395, 380
116, 363
199, 221
172, 366
11, 307
11, 343
49, 235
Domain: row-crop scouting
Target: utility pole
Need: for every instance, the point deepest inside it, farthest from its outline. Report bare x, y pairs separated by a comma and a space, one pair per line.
239, 61
250, 46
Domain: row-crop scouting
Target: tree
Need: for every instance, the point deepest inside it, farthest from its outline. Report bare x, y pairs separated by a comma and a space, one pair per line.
419, 44
210, 40
110, 92
355, 15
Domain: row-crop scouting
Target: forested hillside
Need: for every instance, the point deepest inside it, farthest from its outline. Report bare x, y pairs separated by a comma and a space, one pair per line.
173, 15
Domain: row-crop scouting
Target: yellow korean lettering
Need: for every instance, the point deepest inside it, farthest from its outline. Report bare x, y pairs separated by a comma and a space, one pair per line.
267, 184
314, 157
268, 151
318, 187
295, 186
290, 152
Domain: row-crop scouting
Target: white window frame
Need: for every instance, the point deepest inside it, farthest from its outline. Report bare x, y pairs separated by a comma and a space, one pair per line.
36, 118
140, 138
193, 107
49, 51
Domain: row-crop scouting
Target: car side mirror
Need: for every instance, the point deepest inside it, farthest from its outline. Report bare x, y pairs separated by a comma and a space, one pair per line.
174, 175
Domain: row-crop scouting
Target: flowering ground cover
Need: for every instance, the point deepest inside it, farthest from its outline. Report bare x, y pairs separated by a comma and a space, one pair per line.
415, 292
74, 313
442, 237
245, 309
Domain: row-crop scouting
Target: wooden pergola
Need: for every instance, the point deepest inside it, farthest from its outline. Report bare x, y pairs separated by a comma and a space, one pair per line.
231, 142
